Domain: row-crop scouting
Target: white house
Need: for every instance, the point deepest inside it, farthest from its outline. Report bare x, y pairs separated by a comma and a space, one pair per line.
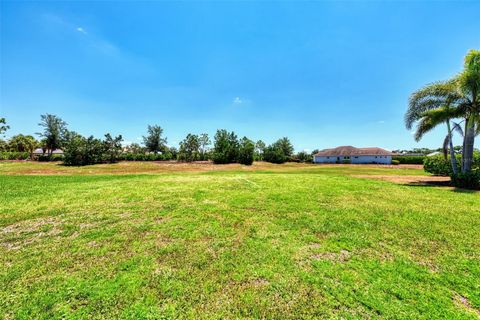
353, 155
40, 151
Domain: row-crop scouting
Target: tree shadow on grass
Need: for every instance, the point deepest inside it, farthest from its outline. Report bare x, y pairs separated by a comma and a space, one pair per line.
445, 184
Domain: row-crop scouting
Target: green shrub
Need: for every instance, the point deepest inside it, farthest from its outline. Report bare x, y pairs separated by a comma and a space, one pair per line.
395, 162
346, 161
409, 159
80, 151
440, 166
246, 151
145, 156
467, 180
274, 154
225, 147
14, 155
46, 157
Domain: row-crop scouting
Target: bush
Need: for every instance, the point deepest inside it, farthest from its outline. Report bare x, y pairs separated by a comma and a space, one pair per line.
129, 156
46, 157
302, 156
395, 162
225, 147
440, 166
81, 151
14, 155
467, 180
246, 151
346, 161
274, 154
409, 159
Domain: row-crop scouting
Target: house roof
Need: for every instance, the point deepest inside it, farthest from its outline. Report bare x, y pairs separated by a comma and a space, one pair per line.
352, 151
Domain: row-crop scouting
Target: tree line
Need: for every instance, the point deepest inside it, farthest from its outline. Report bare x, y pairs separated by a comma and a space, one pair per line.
80, 150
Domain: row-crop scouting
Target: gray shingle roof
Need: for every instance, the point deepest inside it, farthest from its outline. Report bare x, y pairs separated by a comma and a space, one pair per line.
352, 151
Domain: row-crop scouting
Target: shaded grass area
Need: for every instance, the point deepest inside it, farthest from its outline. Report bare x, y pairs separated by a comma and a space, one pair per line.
302, 243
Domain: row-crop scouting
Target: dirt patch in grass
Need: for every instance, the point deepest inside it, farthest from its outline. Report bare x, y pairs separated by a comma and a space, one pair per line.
463, 302
340, 257
17, 235
152, 167
412, 180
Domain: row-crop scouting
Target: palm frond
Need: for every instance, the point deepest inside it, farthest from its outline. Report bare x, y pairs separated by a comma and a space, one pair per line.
430, 97
424, 125
458, 128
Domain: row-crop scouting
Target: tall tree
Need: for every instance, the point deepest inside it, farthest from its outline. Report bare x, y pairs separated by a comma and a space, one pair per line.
204, 142
134, 148
112, 147
54, 130
286, 146
3, 126
23, 143
225, 149
469, 83
154, 141
246, 151
259, 149
189, 148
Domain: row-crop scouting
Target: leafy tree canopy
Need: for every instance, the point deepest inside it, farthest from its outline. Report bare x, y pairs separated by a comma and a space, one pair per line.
54, 131
154, 141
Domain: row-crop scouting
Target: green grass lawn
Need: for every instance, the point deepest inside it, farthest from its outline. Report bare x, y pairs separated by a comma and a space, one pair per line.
143, 240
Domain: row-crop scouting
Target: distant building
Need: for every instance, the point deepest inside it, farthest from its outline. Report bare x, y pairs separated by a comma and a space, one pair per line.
40, 151
353, 155
436, 153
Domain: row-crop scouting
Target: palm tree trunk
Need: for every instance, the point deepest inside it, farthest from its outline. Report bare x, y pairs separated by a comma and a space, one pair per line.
468, 143
453, 159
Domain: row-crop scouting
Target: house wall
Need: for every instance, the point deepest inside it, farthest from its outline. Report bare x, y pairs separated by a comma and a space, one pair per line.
372, 159
355, 159
318, 159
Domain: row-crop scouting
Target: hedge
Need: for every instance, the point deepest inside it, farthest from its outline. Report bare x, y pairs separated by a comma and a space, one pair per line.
46, 157
14, 155
145, 157
468, 180
409, 159
440, 166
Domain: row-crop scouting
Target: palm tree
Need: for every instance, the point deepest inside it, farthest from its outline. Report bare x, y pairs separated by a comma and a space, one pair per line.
430, 119
439, 102
469, 87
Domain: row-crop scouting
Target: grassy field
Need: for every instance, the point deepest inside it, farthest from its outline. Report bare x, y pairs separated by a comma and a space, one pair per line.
163, 241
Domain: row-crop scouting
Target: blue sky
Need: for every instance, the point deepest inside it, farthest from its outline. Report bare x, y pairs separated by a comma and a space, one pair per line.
322, 73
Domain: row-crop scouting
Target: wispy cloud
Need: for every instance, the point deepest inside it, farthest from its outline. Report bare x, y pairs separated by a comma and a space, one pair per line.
91, 39
81, 30
237, 100
381, 121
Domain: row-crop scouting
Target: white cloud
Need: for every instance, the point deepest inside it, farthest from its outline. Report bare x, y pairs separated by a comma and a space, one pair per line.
237, 100
81, 30
381, 121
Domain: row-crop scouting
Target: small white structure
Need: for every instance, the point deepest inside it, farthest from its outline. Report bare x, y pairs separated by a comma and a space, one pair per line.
436, 153
40, 151
349, 154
